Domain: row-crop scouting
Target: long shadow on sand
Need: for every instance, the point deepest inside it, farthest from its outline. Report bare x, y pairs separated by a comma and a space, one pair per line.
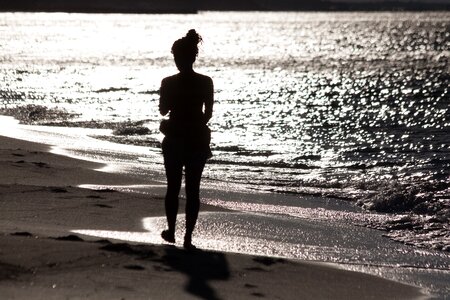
200, 267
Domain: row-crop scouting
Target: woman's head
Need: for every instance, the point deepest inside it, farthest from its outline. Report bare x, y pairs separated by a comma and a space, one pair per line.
185, 50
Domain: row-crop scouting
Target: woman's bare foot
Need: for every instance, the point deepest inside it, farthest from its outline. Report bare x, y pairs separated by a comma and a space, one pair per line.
188, 244
168, 236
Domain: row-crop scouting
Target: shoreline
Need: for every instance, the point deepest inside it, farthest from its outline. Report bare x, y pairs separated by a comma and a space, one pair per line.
40, 203
178, 7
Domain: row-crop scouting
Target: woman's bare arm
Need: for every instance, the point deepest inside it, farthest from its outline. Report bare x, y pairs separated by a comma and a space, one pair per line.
163, 98
209, 101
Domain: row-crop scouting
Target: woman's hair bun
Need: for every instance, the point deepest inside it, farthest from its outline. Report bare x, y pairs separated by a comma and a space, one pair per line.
187, 47
193, 36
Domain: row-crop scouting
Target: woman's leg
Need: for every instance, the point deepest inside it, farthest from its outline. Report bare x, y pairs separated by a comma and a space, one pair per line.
193, 170
174, 172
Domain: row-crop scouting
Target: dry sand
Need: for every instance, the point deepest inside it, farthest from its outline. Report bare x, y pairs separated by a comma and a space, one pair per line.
40, 259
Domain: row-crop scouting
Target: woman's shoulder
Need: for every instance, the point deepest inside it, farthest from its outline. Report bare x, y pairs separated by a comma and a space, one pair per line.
203, 78
178, 78
169, 79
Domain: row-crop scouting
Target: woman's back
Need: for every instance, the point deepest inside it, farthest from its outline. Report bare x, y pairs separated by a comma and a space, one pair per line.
184, 95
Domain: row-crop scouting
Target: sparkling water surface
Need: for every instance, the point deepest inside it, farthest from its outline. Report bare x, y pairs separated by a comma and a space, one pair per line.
305, 102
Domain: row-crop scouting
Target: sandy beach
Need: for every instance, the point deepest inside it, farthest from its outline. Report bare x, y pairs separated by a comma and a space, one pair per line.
40, 258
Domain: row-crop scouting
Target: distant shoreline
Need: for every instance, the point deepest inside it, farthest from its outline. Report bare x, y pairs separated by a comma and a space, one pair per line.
184, 7
99, 6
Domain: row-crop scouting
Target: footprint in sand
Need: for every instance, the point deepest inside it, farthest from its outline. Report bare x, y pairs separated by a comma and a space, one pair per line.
259, 295
58, 190
21, 233
134, 267
103, 205
41, 164
71, 238
268, 261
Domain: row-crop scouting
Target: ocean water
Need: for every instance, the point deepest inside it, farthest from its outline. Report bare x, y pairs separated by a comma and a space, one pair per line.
344, 105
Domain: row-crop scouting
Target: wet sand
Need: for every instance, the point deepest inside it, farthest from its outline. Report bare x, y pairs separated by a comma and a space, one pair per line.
40, 258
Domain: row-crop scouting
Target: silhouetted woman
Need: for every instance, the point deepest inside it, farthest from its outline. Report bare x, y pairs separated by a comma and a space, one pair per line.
188, 97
